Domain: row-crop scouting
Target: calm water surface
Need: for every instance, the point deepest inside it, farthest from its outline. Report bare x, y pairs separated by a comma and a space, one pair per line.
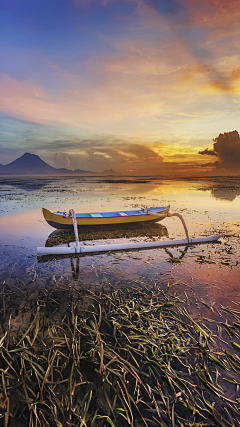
206, 273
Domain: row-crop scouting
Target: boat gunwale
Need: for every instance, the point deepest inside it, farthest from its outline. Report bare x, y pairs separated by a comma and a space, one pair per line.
115, 214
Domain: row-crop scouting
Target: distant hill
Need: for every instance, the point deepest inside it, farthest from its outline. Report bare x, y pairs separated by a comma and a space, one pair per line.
110, 172
31, 164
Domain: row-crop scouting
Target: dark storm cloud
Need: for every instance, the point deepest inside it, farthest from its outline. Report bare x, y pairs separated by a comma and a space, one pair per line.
227, 148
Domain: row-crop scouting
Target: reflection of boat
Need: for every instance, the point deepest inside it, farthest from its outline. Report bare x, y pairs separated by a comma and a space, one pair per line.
61, 237
62, 220
148, 230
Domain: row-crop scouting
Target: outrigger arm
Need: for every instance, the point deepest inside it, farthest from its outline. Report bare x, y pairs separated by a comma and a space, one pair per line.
78, 248
72, 213
172, 214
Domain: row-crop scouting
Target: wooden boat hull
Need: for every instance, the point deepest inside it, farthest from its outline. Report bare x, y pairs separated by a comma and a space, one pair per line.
96, 221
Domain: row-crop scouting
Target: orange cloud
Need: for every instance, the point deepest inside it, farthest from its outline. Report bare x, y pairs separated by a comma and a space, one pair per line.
153, 85
217, 14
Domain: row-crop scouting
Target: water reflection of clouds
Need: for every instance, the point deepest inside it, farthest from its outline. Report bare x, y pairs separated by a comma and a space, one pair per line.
226, 193
223, 192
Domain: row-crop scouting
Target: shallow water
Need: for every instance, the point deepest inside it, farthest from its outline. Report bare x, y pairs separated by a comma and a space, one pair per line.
207, 273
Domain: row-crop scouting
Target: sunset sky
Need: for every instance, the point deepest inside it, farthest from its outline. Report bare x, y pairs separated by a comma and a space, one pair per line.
137, 86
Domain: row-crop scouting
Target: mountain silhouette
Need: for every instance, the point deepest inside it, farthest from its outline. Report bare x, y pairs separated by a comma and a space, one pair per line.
31, 164
110, 172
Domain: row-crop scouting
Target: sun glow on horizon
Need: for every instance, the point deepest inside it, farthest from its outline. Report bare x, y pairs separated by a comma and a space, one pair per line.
151, 78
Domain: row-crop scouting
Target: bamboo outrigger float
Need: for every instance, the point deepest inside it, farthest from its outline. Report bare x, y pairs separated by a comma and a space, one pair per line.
78, 221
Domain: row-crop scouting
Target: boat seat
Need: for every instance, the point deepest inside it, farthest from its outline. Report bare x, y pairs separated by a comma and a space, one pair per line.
122, 213
96, 215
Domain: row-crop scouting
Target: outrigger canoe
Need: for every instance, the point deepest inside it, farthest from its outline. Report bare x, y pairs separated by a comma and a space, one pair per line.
94, 220
76, 221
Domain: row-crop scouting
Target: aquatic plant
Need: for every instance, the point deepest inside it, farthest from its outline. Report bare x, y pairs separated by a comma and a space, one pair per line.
132, 357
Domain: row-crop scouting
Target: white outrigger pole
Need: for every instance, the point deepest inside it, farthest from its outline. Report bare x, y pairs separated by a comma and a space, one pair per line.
78, 248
